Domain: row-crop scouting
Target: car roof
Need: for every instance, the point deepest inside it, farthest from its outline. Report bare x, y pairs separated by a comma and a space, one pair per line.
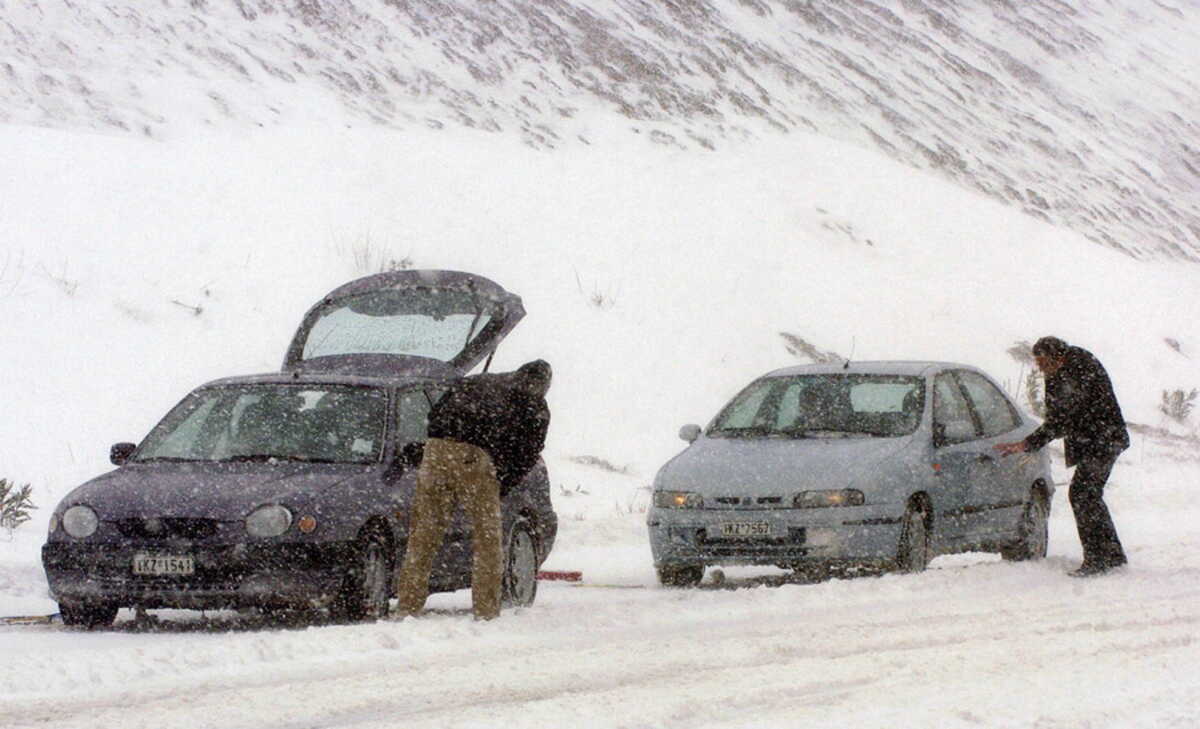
877, 367
321, 379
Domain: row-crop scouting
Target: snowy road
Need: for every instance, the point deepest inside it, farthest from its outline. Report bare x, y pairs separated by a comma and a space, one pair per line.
973, 642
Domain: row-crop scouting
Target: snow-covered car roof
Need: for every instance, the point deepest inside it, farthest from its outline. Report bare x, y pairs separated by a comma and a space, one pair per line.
879, 367
319, 378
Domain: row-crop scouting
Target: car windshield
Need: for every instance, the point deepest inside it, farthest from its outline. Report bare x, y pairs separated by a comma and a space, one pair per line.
417, 322
322, 424
824, 405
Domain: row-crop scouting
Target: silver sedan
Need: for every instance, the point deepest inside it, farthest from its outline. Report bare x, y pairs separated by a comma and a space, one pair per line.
834, 468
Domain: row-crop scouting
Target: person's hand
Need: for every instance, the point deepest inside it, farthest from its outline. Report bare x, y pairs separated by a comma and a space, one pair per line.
1007, 449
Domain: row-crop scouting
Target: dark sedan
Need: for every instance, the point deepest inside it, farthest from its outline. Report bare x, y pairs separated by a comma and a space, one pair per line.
290, 490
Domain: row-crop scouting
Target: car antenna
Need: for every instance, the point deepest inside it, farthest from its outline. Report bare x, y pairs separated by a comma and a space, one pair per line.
846, 365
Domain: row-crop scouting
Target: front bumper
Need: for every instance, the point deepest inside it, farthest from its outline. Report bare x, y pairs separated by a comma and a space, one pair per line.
227, 576
796, 537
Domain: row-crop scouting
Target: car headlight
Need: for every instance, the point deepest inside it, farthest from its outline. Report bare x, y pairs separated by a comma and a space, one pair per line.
268, 521
830, 497
80, 521
677, 500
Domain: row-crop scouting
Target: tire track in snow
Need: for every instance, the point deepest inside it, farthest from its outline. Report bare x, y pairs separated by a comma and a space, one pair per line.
619, 671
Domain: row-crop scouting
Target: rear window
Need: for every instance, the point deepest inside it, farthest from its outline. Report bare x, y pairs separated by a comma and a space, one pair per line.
423, 323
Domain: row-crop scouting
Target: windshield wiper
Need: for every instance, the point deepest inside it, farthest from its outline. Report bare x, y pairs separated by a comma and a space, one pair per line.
265, 457
836, 432
794, 432
250, 458
756, 431
880, 433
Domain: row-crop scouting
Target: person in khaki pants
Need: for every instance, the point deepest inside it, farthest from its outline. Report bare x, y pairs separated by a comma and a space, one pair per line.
485, 434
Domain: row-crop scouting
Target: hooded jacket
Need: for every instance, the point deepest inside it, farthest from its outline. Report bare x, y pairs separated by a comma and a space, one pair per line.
1082, 408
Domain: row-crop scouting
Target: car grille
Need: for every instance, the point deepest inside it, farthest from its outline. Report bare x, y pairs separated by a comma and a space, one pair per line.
167, 527
132, 583
748, 502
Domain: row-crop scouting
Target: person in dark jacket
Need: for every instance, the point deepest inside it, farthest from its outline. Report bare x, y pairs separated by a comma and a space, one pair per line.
1081, 408
485, 433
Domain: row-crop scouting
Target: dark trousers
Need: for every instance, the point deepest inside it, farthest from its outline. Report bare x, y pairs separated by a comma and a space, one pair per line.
1101, 546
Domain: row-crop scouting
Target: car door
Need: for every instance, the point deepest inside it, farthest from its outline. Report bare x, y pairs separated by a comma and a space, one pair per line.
998, 492
957, 459
452, 567
410, 427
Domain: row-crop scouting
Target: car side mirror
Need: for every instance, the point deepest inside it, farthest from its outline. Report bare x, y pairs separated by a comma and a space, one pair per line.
690, 432
120, 452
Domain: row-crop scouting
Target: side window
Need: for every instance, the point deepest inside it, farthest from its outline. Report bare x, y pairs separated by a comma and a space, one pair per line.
412, 416
951, 414
996, 414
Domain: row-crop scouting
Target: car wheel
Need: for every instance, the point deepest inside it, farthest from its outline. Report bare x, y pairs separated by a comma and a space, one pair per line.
519, 586
912, 554
1033, 533
364, 594
87, 614
687, 576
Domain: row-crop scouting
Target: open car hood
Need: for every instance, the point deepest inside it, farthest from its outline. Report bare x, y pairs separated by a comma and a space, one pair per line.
430, 323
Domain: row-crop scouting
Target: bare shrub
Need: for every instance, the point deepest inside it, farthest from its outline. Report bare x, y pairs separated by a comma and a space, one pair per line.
600, 463
370, 258
14, 504
67, 285
798, 346
1177, 404
1034, 395
1031, 383
11, 273
602, 300
1022, 352
194, 309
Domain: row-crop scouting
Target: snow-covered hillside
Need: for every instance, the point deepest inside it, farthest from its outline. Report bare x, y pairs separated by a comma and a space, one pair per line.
1079, 113
657, 282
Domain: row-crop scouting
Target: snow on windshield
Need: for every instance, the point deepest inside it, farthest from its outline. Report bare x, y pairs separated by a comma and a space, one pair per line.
260, 422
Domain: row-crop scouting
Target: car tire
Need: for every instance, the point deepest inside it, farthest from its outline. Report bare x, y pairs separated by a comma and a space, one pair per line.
368, 582
518, 587
684, 576
912, 553
87, 614
1033, 533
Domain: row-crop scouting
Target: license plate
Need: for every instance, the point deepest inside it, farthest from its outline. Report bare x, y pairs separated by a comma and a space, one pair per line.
746, 529
163, 564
